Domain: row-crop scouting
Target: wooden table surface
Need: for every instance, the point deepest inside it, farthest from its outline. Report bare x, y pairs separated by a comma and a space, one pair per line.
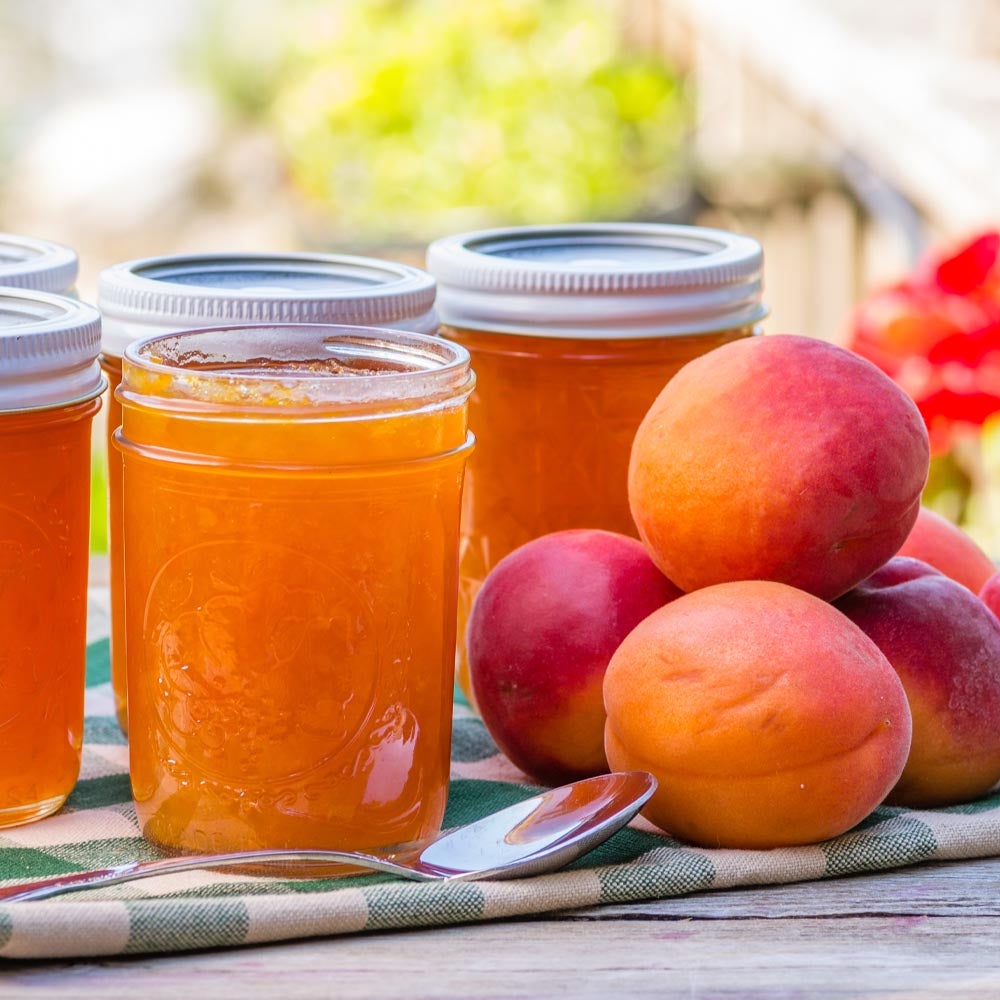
917, 933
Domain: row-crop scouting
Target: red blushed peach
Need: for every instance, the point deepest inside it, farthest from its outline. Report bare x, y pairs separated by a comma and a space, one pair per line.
777, 458
935, 540
945, 645
990, 594
767, 717
541, 632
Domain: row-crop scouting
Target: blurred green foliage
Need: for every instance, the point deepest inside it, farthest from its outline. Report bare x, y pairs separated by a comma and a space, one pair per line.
98, 500
985, 512
408, 118
964, 485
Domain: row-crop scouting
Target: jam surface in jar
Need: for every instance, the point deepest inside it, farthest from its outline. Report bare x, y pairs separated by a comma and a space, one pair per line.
291, 529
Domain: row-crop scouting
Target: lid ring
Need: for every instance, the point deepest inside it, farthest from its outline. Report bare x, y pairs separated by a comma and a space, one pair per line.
598, 280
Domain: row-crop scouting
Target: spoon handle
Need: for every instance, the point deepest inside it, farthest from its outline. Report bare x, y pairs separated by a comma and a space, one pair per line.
134, 870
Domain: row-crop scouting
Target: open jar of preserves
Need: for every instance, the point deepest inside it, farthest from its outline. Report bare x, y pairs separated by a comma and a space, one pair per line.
50, 385
573, 332
142, 298
291, 518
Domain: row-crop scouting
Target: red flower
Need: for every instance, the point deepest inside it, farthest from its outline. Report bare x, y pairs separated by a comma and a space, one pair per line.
968, 270
938, 335
971, 349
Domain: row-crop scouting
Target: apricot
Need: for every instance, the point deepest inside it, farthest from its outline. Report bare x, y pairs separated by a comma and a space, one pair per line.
935, 540
777, 458
541, 632
766, 716
990, 594
945, 645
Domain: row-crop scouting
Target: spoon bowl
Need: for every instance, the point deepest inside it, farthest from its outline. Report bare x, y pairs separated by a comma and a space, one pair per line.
539, 835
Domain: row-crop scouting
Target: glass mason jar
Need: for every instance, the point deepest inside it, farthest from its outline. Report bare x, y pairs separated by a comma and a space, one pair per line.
573, 332
50, 385
37, 265
291, 516
142, 298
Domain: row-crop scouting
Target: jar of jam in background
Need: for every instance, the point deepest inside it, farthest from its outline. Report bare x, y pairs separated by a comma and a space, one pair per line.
573, 332
142, 298
50, 387
37, 265
291, 523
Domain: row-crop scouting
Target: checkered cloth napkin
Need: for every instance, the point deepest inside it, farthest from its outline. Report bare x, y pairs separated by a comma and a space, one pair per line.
98, 828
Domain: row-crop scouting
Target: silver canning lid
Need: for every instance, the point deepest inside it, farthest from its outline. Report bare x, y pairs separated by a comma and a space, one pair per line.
36, 264
599, 280
202, 290
48, 350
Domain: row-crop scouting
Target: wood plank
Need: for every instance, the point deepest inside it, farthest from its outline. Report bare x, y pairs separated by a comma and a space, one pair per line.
918, 958
946, 889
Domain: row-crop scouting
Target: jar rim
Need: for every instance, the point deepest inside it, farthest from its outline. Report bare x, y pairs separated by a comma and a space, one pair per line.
39, 265
599, 280
269, 368
48, 350
183, 291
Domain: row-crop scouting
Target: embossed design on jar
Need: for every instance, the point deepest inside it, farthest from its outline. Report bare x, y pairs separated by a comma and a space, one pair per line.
23, 543
245, 691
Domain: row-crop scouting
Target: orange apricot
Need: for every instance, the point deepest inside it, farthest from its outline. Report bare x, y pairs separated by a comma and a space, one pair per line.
766, 716
777, 458
990, 593
945, 645
943, 545
542, 630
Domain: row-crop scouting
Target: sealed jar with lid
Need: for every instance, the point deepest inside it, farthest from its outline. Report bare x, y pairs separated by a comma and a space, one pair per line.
50, 385
573, 331
142, 298
291, 517
37, 265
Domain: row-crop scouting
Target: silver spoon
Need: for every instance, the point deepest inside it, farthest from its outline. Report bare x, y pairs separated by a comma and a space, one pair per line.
538, 835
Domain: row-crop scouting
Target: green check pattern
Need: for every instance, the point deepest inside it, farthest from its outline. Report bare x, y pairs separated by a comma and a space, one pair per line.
98, 827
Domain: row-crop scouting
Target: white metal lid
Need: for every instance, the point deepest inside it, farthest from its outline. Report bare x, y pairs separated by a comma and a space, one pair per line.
599, 280
202, 290
48, 350
37, 264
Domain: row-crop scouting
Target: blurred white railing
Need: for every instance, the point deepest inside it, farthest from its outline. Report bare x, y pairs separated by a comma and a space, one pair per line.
843, 133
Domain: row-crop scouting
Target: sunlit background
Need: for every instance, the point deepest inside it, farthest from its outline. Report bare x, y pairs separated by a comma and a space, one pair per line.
372, 126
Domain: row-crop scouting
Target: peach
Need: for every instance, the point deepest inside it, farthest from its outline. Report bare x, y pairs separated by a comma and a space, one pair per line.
935, 540
541, 632
777, 458
945, 646
990, 594
767, 717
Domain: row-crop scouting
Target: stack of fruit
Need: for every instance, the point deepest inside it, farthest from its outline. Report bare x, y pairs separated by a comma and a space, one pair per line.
764, 651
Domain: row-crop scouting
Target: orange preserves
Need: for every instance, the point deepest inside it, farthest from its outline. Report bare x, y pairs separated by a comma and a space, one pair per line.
291, 517
573, 332
142, 298
49, 381
112, 367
